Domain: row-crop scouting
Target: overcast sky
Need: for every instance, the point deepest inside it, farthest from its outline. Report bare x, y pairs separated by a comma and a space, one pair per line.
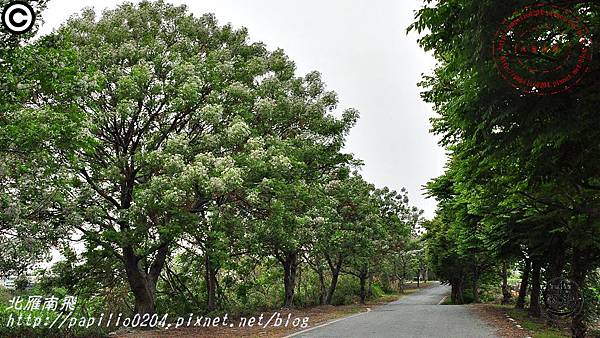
362, 50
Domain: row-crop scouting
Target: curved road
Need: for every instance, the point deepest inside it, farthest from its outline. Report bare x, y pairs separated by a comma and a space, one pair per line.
415, 315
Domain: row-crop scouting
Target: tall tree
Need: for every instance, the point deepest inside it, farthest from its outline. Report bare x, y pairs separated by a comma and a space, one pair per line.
161, 109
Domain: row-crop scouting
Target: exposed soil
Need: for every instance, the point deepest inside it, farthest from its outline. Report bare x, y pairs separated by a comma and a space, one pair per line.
316, 315
497, 317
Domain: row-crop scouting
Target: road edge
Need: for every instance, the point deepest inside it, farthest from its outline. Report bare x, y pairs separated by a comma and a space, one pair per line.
327, 323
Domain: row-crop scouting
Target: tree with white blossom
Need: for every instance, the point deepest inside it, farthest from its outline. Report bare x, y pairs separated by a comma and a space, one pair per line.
171, 115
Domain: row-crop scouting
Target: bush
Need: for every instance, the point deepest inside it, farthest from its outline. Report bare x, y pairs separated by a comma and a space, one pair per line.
347, 291
490, 293
308, 289
468, 296
377, 291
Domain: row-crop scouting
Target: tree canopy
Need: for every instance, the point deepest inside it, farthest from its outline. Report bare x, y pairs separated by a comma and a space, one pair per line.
522, 179
187, 162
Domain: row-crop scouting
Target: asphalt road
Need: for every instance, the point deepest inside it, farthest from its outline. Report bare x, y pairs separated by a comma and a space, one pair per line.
415, 315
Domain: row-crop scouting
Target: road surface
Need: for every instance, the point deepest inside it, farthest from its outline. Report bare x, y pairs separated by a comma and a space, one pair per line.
415, 315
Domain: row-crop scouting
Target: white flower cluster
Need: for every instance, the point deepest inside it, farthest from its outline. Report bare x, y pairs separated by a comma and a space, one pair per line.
281, 162
237, 131
239, 90
256, 148
211, 113
332, 185
227, 177
195, 173
265, 106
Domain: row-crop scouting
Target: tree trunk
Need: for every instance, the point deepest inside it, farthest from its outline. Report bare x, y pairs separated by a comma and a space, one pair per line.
556, 265
211, 283
453, 293
524, 284
457, 292
557, 262
505, 289
363, 291
475, 290
142, 282
335, 268
475, 285
403, 276
334, 280
579, 271
322, 289
401, 284
535, 310
290, 266
370, 288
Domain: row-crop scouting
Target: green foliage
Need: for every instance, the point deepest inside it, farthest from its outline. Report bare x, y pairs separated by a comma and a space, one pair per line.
200, 173
522, 178
25, 186
347, 291
591, 296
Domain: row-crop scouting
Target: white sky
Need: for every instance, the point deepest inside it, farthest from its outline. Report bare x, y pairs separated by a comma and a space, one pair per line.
362, 50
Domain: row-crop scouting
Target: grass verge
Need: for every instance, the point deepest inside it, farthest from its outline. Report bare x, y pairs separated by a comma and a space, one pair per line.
498, 316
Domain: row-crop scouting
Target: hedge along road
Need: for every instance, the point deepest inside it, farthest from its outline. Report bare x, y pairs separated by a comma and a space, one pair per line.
415, 315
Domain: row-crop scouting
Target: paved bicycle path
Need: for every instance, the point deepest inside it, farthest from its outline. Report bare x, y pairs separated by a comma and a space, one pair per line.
415, 315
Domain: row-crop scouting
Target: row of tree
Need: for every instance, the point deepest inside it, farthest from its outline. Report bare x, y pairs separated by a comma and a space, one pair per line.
522, 185
161, 140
